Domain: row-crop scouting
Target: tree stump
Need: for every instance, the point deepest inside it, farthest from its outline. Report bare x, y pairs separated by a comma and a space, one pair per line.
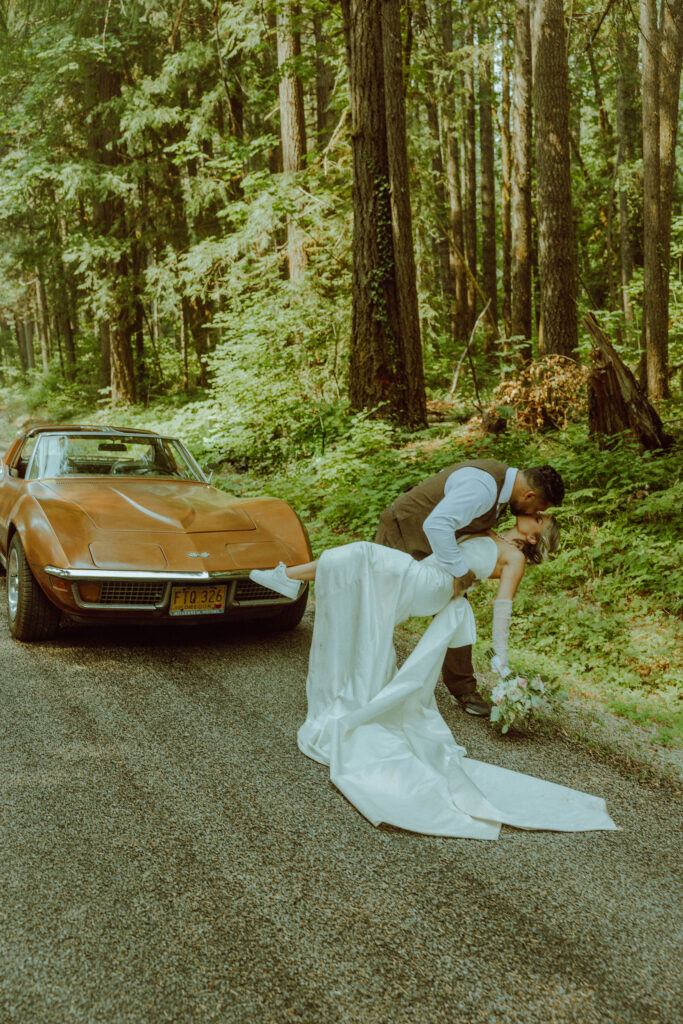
616, 402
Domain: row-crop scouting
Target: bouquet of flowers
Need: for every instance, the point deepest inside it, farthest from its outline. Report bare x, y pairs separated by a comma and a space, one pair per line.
514, 698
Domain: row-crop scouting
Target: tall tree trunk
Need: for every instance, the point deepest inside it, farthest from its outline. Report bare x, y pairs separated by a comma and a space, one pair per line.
103, 85
471, 180
556, 256
64, 299
292, 123
123, 384
628, 129
506, 170
441, 240
386, 355
489, 277
324, 82
197, 315
520, 200
22, 348
44, 321
607, 137
104, 335
669, 93
456, 238
655, 335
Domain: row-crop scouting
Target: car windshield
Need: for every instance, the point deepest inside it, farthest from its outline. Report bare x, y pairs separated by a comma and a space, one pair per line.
68, 455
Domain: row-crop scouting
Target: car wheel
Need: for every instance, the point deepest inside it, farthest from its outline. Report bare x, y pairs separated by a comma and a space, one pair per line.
31, 615
289, 617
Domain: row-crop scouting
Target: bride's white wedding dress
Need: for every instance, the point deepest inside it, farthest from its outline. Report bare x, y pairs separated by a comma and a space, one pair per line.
389, 750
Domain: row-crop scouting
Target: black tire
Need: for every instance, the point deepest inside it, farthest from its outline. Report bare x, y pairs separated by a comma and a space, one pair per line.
31, 616
289, 617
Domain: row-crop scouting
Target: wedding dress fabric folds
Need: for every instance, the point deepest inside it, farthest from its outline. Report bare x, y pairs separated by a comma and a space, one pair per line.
379, 729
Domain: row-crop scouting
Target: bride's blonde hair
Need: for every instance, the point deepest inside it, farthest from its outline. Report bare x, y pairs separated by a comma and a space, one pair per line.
547, 543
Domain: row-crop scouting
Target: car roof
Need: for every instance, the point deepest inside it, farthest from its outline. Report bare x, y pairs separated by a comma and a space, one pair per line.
75, 428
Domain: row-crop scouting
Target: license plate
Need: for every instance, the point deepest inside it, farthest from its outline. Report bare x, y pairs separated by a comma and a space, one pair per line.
197, 600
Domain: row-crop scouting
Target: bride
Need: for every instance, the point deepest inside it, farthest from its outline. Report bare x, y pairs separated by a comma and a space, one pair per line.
378, 728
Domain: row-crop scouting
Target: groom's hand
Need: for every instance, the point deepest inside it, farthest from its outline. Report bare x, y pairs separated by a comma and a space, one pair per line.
463, 583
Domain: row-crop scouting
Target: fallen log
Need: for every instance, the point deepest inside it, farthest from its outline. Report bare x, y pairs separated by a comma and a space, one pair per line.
616, 402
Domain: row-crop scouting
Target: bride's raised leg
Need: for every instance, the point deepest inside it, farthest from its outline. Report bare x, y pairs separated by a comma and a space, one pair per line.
302, 572
285, 580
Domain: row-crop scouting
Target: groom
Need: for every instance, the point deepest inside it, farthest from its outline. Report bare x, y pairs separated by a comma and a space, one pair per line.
466, 498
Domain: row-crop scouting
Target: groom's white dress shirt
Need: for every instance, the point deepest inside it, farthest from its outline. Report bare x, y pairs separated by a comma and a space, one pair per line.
469, 493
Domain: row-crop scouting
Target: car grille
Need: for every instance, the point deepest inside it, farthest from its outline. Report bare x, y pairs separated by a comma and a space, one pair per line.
131, 593
247, 590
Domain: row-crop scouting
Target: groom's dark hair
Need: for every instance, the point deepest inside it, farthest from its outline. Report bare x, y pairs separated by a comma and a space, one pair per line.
546, 482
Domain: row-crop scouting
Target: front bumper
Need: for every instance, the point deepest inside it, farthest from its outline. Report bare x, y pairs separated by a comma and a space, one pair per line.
145, 592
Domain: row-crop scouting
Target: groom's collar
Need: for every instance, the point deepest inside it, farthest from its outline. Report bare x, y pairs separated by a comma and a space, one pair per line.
508, 484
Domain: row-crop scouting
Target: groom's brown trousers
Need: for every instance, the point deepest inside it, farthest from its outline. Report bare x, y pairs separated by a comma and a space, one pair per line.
458, 674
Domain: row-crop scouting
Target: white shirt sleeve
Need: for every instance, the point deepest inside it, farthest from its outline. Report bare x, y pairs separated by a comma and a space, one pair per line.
469, 493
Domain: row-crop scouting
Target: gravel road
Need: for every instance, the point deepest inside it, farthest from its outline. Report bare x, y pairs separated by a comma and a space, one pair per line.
169, 855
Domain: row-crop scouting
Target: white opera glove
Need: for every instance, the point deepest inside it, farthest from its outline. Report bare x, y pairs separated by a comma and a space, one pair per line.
502, 670
502, 614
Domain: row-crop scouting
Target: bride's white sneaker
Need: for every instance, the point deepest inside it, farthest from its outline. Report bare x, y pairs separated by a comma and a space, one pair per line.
277, 580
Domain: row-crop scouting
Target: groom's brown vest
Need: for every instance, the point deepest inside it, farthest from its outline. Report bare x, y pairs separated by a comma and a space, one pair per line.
410, 509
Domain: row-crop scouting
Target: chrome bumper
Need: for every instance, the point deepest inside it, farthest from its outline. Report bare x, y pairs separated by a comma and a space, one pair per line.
143, 575
241, 591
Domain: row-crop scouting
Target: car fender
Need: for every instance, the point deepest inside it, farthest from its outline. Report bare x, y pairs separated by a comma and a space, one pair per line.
280, 519
39, 540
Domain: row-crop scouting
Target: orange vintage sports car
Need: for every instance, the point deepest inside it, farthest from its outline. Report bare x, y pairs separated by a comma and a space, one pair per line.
119, 525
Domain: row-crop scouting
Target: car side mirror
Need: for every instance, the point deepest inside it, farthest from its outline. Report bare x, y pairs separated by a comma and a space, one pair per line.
208, 473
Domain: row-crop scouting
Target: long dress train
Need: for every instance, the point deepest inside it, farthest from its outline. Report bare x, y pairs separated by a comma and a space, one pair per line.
389, 750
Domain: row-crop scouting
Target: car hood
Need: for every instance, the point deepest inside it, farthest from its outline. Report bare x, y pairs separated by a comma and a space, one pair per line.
151, 506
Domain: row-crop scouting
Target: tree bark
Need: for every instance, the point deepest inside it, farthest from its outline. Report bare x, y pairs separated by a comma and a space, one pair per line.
669, 92
386, 356
25, 351
292, 124
456, 239
628, 117
556, 256
489, 277
654, 331
44, 319
324, 83
607, 136
109, 221
520, 199
471, 181
65, 301
506, 170
440, 243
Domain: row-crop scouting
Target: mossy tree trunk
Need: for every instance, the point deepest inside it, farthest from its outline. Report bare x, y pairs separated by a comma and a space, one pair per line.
556, 256
386, 354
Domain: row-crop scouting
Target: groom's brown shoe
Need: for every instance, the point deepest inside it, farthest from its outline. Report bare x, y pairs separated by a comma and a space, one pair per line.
474, 704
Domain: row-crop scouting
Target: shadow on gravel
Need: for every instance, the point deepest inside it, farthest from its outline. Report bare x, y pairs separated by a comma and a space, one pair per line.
182, 637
